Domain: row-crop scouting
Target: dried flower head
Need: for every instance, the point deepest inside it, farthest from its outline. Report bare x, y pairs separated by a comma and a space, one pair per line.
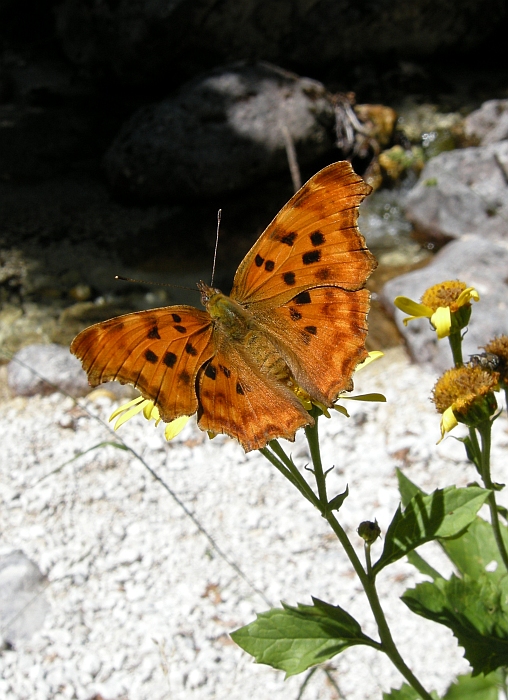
499, 348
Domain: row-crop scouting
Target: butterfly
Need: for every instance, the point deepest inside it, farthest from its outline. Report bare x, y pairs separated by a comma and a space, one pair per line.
294, 324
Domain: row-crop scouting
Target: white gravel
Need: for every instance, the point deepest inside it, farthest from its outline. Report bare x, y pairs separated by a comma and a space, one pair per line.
142, 604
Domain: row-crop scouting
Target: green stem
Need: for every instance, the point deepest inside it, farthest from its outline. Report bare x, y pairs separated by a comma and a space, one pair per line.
455, 340
485, 430
367, 579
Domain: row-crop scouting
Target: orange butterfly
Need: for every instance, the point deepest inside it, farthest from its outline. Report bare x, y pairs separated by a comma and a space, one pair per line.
295, 323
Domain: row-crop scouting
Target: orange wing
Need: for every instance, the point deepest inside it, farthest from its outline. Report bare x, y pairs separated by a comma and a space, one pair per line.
159, 351
236, 399
321, 335
312, 242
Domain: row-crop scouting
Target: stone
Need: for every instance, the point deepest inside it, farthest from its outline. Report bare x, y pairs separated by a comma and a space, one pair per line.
220, 133
44, 369
23, 603
477, 262
462, 192
489, 124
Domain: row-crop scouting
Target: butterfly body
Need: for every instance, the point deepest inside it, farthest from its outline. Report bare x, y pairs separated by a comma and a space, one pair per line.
295, 320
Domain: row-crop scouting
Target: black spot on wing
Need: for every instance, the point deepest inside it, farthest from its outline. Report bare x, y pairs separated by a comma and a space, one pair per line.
317, 238
153, 333
288, 238
259, 260
269, 265
294, 313
180, 329
211, 372
289, 278
239, 389
176, 318
169, 359
324, 273
225, 371
191, 350
150, 357
312, 256
311, 329
302, 298
184, 377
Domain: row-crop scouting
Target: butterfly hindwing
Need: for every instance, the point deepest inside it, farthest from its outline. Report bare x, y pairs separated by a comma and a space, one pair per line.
236, 399
321, 335
313, 241
158, 351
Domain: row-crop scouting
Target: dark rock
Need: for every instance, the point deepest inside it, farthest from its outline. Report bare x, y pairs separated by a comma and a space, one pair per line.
23, 603
462, 192
479, 263
43, 369
221, 132
489, 124
141, 41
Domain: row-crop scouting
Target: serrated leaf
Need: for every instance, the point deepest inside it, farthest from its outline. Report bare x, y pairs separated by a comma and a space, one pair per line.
405, 692
294, 638
477, 688
476, 610
443, 513
476, 548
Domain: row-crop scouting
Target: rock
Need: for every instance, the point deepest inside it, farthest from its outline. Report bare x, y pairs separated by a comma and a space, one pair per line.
139, 42
43, 369
462, 192
23, 603
489, 124
477, 262
220, 133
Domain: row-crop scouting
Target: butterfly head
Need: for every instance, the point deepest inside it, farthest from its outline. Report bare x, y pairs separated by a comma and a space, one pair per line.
207, 292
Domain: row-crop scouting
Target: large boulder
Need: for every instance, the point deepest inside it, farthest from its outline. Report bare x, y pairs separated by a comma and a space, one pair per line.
479, 263
460, 193
219, 133
489, 124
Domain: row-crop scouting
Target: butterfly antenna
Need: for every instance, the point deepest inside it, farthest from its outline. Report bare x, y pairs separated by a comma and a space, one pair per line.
219, 216
155, 284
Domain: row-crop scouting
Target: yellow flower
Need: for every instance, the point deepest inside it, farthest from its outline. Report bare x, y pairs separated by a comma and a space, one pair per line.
373, 355
465, 395
447, 305
150, 412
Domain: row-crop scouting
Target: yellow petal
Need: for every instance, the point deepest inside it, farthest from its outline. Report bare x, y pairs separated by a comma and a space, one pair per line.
125, 406
442, 321
467, 295
129, 414
176, 426
448, 422
365, 397
373, 355
412, 308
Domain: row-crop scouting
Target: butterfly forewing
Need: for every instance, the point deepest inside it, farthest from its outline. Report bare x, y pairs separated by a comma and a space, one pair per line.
313, 241
158, 351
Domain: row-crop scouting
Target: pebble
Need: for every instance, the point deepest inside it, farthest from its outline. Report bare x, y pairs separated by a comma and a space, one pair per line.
141, 603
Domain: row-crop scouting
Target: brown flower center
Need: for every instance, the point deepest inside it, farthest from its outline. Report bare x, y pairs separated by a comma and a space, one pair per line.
460, 387
443, 294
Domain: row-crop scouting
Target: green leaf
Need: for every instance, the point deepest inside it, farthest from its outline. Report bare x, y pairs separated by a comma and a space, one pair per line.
443, 513
478, 688
294, 638
476, 610
476, 548
338, 500
423, 566
405, 692
407, 488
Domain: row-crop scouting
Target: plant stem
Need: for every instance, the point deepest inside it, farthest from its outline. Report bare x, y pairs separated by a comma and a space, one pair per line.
367, 579
455, 340
485, 430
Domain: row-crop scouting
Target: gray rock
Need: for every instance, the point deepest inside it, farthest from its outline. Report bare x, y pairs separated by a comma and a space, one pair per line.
489, 124
43, 369
23, 603
462, 192
139, 41
221, 132
480, 264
